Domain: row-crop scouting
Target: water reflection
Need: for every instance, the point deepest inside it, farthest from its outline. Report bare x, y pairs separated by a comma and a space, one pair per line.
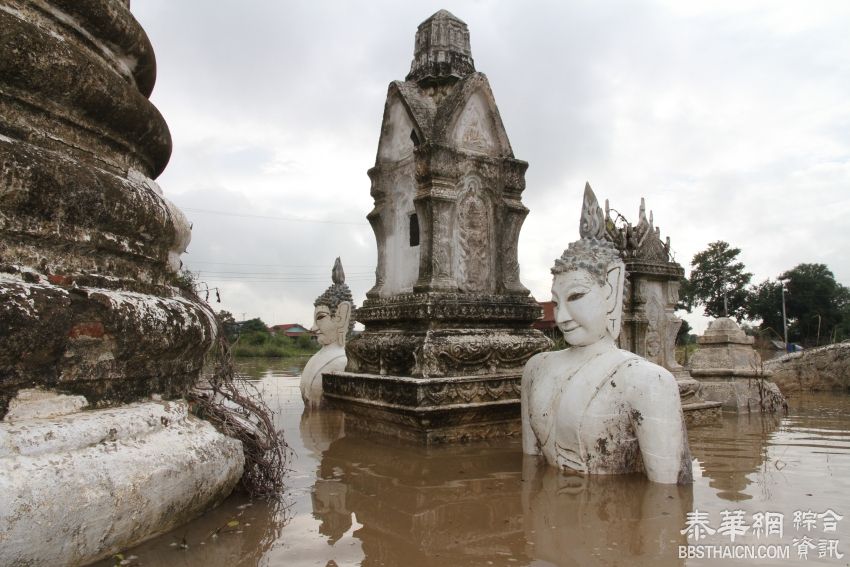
732, 450
238, 533
259, 368
441, 506
616, 520
360, 500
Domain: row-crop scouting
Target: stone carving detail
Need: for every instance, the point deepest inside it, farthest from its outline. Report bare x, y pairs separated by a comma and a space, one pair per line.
436, 393
441, 246
441, 51
391, 353
642, 240
508, 253
476, 352
656, 328
449, 307
473, 236
473, 129
593, 408
447, 353
592, 223
450, 393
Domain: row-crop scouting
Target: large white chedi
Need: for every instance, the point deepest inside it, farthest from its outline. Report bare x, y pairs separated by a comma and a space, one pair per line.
593, 408
331, 324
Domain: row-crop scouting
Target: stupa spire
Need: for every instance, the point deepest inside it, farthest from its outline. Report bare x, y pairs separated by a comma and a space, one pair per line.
441, 51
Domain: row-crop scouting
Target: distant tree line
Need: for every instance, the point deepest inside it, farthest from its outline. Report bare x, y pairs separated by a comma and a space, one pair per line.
817, 307
253, 338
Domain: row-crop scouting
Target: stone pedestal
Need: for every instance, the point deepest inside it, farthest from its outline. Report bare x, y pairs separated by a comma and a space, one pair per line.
729, 370
429, 410
80, 485
447, 304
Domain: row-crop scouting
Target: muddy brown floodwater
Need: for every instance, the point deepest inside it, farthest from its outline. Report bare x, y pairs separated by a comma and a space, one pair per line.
355, 499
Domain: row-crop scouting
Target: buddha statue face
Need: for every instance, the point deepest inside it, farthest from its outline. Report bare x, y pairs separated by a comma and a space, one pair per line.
332, 314
587, 310
331, 326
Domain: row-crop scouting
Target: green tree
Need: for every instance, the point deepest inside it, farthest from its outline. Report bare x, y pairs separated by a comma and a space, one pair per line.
766, 304
684, 333
841, 332
686, 295
228, 323
719, 279
815, 303
255, 325
816, 306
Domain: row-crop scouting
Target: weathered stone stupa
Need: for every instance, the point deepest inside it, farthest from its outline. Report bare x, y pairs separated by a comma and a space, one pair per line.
650, 324
97, 344
448, 321
730, 371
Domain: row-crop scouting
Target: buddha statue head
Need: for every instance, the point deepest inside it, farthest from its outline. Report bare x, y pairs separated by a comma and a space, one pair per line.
332, 315
587, 288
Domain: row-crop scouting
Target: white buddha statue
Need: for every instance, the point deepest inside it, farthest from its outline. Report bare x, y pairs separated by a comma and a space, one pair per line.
593, 408
331, 324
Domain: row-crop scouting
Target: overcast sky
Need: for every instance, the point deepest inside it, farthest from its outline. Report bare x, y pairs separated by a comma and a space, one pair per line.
731, 118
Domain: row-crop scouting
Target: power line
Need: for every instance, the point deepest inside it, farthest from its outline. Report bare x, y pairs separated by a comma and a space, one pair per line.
268, 217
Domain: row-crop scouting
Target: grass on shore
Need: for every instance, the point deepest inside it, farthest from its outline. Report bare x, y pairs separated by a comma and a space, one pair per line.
256, 344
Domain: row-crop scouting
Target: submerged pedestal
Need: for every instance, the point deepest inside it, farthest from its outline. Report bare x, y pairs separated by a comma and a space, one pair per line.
429, 410
448, 321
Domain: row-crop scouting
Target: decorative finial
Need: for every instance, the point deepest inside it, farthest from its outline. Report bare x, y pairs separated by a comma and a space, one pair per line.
441, 51
338, 274
592, 223
337, 292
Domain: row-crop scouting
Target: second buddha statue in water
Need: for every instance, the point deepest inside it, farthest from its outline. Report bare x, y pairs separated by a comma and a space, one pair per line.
331, 325
593, 408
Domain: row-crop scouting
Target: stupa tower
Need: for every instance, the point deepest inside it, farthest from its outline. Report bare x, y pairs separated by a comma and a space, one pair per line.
448, 321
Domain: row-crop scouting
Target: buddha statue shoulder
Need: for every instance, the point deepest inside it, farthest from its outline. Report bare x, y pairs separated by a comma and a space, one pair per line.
593, 408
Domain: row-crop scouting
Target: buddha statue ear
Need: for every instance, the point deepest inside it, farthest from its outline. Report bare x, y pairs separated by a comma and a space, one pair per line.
614, 301
342, 318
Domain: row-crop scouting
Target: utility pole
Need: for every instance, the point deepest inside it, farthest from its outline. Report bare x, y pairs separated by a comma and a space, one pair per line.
784, 318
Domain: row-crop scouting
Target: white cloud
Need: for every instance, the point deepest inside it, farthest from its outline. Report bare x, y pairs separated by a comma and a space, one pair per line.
731, 118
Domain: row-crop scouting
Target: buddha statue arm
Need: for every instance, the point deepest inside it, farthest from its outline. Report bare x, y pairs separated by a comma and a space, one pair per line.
530, 444
656, 415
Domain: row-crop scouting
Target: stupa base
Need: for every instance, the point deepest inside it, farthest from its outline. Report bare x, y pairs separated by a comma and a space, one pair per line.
428, 410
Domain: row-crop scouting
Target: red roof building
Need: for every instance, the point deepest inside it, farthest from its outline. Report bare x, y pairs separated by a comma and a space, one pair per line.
293, 330
547, 322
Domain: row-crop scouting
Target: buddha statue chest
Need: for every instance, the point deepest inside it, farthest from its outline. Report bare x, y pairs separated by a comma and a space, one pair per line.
581, 418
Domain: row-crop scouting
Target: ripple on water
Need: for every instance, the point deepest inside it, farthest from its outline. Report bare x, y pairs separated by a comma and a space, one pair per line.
354, 499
